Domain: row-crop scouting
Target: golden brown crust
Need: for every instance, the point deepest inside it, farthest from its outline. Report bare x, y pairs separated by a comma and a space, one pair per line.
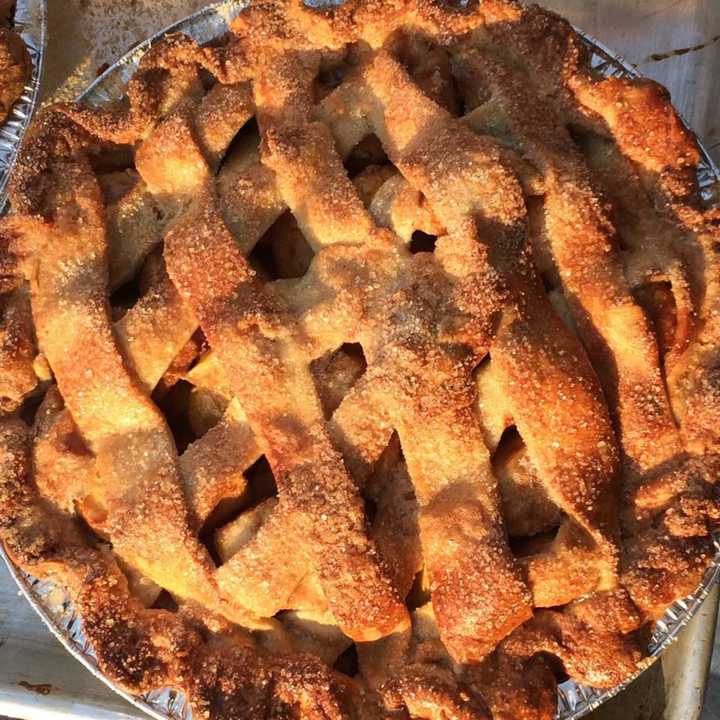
514, 688
246, 330
390, 294
593, 638
15, 69
17, 349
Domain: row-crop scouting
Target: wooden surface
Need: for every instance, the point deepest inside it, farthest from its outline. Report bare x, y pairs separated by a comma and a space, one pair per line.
38, 679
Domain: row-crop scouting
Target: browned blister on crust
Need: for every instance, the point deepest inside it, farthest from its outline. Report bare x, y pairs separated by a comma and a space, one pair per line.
355, 380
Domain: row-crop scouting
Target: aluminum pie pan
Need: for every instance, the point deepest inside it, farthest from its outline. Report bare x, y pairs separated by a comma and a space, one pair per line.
30, 21
58, 613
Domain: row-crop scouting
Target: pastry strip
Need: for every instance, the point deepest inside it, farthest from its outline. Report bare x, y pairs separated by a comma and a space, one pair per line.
139, 497
578, 426
252, 337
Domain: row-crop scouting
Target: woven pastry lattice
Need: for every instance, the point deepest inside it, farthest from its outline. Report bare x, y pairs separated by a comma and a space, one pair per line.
377, 365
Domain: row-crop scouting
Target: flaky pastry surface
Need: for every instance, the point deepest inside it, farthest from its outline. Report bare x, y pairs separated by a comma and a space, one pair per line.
364, 363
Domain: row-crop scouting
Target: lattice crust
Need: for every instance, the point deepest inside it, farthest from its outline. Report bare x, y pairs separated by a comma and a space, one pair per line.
388, 324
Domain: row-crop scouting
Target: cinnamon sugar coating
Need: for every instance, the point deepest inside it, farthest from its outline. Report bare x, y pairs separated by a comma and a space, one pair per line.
379, 364
15, 69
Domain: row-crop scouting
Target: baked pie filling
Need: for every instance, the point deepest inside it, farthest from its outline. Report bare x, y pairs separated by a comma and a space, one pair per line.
364, 363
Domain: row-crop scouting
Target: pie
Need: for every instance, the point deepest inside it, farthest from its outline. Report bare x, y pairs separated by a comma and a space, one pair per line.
15, 63
364, 363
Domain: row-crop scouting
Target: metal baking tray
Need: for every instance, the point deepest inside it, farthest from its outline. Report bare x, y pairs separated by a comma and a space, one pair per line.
30, 20
574, 700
